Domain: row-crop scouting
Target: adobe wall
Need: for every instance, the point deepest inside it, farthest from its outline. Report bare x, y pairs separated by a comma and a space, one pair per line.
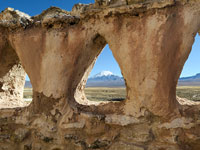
150, 40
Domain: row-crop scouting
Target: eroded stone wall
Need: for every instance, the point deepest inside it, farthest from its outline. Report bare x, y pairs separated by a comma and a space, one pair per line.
150, 40
12, 75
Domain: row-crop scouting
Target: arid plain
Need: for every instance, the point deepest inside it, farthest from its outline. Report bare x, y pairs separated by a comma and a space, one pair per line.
118, 94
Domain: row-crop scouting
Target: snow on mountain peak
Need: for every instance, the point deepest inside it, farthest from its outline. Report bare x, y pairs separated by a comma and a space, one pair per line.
103, 73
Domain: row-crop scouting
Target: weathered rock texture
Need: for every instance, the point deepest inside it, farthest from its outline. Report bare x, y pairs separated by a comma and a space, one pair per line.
150, 40
12, 75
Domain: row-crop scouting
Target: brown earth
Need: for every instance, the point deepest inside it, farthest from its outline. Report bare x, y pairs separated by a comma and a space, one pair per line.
150, 40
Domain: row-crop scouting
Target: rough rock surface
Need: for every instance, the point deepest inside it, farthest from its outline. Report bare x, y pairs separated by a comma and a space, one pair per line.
150, 40
12, 75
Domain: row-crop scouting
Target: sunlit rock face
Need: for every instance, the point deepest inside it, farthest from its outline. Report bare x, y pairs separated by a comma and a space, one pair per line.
150, 40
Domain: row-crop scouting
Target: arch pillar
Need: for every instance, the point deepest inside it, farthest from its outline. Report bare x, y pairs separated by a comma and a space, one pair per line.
150, 61
12, 75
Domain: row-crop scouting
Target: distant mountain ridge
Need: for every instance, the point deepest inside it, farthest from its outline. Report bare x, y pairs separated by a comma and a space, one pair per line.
108, 79
190, 81
102, 74
102, 79
197, 76
105, 79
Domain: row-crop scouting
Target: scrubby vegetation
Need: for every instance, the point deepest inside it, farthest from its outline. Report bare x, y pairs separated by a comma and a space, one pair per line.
189, 92
118, 94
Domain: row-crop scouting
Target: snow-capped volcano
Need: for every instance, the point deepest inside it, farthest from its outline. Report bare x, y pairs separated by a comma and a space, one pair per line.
102, 73
105, 79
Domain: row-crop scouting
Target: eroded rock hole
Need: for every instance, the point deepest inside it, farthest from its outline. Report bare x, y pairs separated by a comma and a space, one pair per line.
28, 91
188, 88
105, 82
12, 77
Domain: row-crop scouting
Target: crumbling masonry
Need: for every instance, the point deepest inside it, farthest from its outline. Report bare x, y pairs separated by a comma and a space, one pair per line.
150, 40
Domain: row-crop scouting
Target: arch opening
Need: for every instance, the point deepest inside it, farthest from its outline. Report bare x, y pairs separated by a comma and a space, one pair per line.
102, 81
188, 87
12, 77
28, 91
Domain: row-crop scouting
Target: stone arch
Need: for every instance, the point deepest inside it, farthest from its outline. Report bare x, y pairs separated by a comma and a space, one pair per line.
191, 25
12, 75
39, 52
141, 37
144, 42
94, 54
86, 63
54, 57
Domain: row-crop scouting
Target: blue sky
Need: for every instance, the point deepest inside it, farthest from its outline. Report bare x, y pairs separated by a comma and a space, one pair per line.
192, 65
34, 7
105, 60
